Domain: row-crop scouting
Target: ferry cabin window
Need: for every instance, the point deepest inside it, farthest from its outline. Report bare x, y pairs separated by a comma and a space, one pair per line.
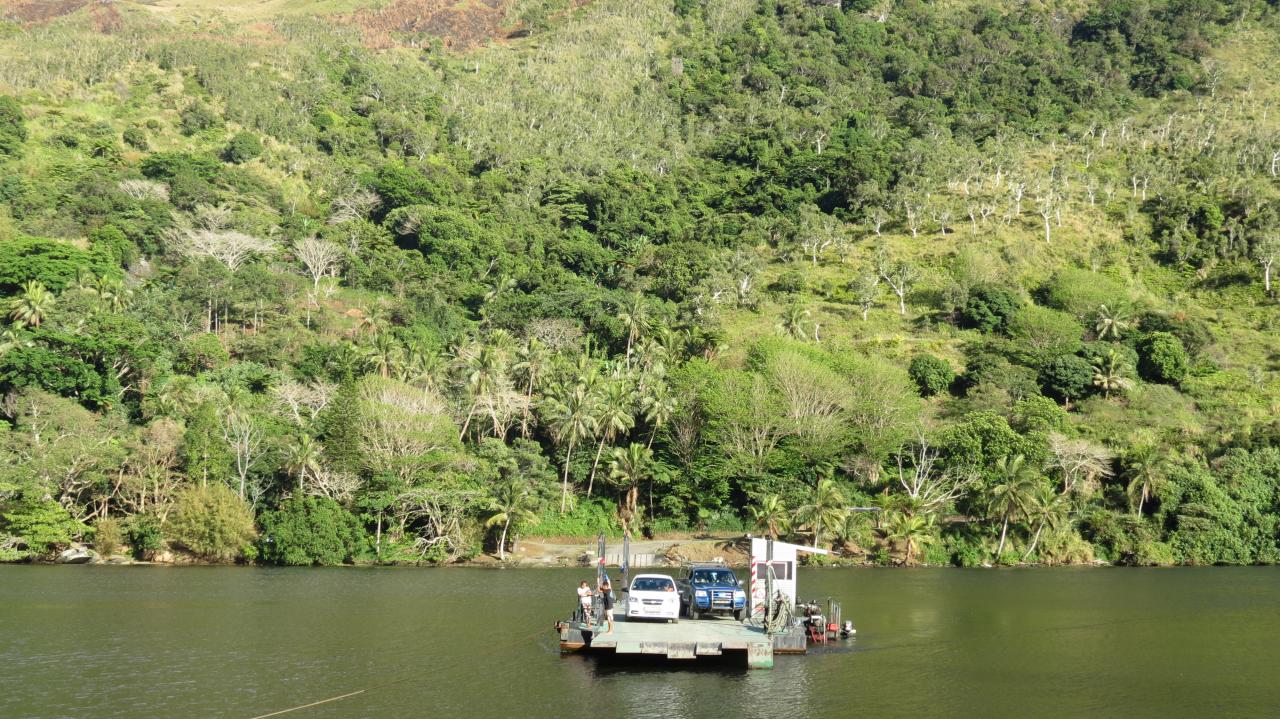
781, 570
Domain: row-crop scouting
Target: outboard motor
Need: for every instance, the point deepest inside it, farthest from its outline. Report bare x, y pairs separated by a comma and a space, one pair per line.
814, 623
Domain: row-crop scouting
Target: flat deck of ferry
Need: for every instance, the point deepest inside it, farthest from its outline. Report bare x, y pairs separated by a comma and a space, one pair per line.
687, 639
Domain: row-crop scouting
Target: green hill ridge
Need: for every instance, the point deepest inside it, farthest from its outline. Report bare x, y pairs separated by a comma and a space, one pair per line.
1000, 271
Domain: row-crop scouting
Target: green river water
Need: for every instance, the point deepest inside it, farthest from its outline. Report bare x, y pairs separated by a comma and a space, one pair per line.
241, 642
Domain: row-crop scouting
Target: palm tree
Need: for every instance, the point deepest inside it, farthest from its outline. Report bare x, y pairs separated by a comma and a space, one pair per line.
112, 294
303, 460
31, 308
171, 398
1107, 375
658, 407
1146, 473
1113, 322
568, 415
630, 467
384, 354
634, 314
1012, 494
483, 368
514, 505
791, 322
419, 366
1048, 508
499, 287
825, 510
374, 319
856, 529
913, 531
771, 515
532, 360
614, 416
10, 340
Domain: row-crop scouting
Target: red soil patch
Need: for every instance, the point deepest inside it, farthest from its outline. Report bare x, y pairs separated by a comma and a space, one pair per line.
103, 16
38, 11
461, 24
106, 19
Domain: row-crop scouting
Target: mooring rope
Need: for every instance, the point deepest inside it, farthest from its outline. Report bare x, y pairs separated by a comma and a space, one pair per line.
403, 678
312, 704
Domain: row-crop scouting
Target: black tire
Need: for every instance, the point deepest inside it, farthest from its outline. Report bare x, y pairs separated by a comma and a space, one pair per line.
739, 614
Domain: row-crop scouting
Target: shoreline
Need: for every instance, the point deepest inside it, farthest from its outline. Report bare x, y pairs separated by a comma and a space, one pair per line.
564, 553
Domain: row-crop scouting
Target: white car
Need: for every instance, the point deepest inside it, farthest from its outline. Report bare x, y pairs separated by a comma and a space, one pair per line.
653, 596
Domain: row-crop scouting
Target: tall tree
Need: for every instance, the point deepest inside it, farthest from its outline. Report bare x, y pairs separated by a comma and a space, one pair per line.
912, 532
634, 315
568, 414
1012, 494
514, 504
1144, 466
613, 415
630, 467
1047, 509
825, 509
771, 515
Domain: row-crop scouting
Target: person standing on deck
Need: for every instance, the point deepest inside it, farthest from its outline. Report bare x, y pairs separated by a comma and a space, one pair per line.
584, 599
606, 598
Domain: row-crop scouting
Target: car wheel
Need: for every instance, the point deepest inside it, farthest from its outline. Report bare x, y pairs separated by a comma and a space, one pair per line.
738, 614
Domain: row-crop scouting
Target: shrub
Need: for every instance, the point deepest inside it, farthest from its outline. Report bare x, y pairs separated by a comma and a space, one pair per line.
110, 240
990, 307
212, 522
1067, 377
41, 525
201, 353
932, 375
108, 536
936, 555
51, 263
991, 369
1126, 355
1162, 358
1043, 333
244, 147
789, 282
310, 530
165, 166
13, 130
587, 518
198, 117
1080, 292
1038, 414
136, 137
144, 535
967, 552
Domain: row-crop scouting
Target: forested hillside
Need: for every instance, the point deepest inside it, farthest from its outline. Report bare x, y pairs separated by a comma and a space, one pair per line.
279, 290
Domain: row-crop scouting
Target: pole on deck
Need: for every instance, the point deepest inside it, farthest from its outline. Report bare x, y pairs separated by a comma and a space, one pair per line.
626, 559
599, 558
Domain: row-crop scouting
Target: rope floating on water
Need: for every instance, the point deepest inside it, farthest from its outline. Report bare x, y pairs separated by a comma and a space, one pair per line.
312, 704
402, 678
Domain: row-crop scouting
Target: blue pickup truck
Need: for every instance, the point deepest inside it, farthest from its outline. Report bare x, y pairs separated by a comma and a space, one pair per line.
711, 589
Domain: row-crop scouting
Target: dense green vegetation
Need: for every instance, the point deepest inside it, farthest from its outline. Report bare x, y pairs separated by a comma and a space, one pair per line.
999, 271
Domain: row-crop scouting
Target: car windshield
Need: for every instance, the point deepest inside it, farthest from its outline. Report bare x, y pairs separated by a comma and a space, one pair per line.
714, 576
652, 584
